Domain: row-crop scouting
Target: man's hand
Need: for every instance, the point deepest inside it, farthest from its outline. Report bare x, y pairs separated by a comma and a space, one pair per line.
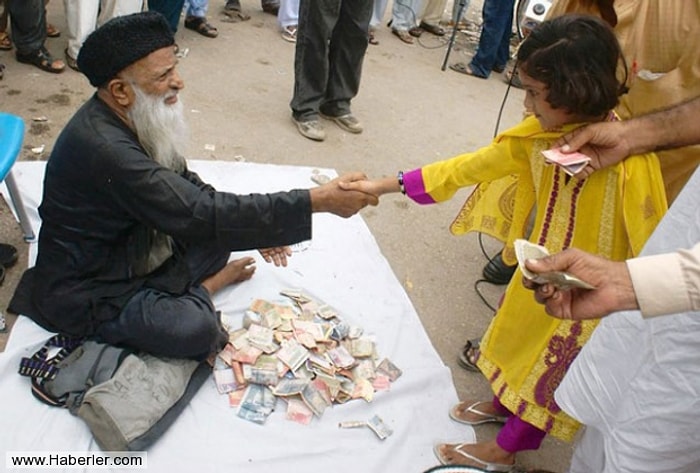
613, 286
332, 198
603, 142
277, 255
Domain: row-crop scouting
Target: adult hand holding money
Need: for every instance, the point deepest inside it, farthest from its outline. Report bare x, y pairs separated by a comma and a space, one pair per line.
524, 250
610, 282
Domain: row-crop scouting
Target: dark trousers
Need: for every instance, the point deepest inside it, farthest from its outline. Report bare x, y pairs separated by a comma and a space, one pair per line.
28, 20
170, 9
184, 326
332, 38
494, 43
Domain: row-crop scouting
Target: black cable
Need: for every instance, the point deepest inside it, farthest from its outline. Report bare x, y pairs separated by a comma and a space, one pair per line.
481, 296
480, 238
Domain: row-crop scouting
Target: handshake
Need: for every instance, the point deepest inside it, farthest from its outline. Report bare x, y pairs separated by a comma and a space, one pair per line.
348, 194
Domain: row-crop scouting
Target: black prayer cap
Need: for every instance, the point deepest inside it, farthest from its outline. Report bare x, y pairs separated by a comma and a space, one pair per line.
121, 42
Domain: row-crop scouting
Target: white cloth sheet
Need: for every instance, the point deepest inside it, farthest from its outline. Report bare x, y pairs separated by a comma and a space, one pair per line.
636, 383
342, 266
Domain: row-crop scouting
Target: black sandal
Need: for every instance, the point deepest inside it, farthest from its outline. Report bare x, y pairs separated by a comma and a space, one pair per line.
201, 26
469, 355
42, 59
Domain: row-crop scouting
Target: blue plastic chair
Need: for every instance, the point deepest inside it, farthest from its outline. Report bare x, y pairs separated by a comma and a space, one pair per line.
11, 136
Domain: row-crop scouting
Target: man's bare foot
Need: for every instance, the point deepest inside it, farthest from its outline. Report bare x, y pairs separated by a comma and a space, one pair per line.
235, 271
486, 455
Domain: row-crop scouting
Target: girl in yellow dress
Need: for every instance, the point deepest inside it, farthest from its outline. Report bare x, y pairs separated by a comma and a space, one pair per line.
570, 68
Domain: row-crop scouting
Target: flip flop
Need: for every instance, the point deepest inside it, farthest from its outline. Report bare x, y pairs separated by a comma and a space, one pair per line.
469, 355
454, 469
464, 69
5, 42
372, 38
476, 462
511, 78
437, 30
416, 31
471, 407
52, 31
403, 36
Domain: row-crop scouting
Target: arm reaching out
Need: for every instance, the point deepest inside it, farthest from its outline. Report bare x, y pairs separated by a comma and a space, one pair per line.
376, 187
610, 142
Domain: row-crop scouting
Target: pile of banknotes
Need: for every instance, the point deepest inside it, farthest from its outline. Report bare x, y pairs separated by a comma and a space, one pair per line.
301, 350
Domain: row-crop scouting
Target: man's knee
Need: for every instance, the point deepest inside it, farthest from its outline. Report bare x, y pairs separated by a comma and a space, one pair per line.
200, 336
163, 325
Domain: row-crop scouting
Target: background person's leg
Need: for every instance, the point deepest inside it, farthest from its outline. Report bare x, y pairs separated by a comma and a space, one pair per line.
170, 9
28, 20
498, 21
81, 19
347, 52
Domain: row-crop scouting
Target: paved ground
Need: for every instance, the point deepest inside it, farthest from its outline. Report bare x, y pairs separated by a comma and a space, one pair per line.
237, 94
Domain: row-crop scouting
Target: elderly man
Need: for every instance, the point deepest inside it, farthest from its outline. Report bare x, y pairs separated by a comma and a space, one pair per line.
132, 243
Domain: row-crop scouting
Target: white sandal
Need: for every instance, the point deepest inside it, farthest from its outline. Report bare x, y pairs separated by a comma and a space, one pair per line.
484, 465
289, 33
487, 418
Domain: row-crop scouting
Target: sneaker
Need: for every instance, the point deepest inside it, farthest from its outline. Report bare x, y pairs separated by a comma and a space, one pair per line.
497, 271
289, 33
347, 122
312, 129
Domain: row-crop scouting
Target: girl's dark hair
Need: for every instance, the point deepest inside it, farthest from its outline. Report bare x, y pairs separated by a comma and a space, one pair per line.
577, 57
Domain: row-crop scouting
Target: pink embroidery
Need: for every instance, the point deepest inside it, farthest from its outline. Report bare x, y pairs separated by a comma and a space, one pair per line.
560, 354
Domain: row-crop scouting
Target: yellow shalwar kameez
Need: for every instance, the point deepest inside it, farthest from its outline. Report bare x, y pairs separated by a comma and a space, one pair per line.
525, 353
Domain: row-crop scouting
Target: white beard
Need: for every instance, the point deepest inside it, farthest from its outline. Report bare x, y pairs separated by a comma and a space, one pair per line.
160, 127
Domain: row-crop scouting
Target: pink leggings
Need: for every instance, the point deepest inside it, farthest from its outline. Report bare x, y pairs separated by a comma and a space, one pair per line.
517, 435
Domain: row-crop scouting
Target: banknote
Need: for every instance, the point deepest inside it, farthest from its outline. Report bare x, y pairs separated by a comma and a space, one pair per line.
390, 369
379, 427
525, 250
298, 411
315, 395
571, 163
225, 380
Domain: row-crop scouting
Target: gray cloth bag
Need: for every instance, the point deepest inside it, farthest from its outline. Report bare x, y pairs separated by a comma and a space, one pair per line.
127, 400
133, 401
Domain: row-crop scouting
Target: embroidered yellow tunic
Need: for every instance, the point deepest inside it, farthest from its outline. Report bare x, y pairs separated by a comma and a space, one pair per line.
525, 353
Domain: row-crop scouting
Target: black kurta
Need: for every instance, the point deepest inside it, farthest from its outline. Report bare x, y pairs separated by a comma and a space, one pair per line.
103, 196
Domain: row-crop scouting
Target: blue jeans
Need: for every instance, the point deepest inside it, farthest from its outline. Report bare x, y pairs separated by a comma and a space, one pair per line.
494, 43
170, 9
196, 8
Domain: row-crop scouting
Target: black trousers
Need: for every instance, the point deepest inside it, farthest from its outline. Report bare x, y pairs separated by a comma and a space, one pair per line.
332, 38
178, 326
28, 20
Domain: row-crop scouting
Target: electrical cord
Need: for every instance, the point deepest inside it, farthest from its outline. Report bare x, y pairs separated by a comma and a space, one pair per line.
480, 234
